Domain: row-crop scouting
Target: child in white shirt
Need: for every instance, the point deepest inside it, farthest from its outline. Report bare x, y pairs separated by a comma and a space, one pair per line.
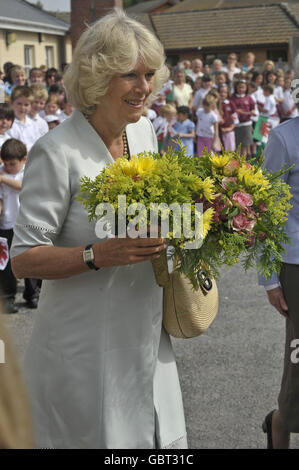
288, 106
51, 108
269, 108
40, 97
170, 114
160, 124
6, 120
13, 154
207, 84
207, 125
67, 111
23, 128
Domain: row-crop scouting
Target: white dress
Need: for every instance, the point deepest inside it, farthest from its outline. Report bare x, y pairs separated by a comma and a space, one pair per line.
100, 368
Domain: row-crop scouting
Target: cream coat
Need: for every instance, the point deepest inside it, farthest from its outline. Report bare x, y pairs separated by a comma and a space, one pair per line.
100, 367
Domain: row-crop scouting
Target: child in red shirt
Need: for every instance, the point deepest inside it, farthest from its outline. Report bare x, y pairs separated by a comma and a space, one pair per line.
229, 119
245, 107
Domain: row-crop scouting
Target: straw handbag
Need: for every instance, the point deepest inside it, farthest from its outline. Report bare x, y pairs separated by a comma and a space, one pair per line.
188, 313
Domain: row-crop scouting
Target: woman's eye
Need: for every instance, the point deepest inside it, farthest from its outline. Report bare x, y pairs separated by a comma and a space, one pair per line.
150, 75
130, 75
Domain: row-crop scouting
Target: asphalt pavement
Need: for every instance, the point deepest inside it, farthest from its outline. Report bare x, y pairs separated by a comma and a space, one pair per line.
230, 376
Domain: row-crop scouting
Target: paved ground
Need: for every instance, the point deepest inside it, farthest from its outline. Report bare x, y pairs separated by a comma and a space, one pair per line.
230, 376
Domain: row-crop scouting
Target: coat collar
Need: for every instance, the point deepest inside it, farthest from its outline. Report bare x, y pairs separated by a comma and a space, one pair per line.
92, 137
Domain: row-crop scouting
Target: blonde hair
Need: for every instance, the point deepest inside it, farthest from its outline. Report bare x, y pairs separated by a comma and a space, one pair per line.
39, 91
280, 73
216, 95
52, 99
168, 109
16, 69
22, 91
269, 62
209, 100
113, 45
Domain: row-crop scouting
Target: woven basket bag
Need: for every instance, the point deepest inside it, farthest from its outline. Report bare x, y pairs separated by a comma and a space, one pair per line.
188, 313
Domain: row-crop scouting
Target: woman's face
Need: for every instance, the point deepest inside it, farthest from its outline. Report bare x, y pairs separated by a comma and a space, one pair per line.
180, 77
127, 95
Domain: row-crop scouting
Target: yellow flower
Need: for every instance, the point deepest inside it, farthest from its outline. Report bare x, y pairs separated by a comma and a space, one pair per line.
252, 177
207, 187
220, 161
207, 221
141, 165
138, 165
145, 164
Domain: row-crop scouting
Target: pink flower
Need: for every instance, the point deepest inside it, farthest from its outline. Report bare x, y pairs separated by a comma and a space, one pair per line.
228, 179
242, 200
251, 240
241, 222
251, 214
220, 203
231, 167
250, 225
262, 207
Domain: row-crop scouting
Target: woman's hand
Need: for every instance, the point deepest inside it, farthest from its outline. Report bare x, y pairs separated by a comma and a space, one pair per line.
276, 298
122, 251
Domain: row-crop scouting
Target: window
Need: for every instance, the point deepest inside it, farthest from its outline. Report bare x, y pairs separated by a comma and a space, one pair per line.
278, 55
49, 56
29, 58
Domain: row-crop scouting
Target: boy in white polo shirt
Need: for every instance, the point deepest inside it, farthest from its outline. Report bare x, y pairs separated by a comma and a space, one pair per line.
23, 128
40, 95
13, 155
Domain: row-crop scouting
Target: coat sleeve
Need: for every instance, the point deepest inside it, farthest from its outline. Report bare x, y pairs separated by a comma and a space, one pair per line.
44, 198
276, 155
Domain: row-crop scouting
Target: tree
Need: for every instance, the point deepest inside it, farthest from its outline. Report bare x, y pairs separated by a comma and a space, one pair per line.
39, 5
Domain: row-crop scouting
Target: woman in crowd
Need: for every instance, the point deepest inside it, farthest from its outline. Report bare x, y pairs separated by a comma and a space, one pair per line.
100, 367
182, 91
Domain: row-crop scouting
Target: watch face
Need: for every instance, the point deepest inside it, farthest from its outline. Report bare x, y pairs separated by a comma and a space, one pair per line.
88, 255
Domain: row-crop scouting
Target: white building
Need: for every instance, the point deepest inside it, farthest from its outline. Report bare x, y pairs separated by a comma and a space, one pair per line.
31, 37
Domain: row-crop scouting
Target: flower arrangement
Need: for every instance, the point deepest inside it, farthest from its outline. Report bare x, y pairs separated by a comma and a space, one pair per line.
251, 208
244, 208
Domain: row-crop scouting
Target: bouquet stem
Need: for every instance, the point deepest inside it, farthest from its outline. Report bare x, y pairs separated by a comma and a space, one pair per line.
160, 267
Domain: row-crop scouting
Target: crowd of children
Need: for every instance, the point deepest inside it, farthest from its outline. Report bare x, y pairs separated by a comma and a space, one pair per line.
30, 108
227, 105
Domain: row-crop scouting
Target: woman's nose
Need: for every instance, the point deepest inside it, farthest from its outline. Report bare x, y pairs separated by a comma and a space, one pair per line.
143, 84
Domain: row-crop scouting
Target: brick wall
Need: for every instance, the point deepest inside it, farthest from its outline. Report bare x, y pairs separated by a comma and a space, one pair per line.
85, 12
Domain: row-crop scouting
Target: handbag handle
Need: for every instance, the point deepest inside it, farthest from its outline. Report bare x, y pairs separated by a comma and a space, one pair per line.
204, 280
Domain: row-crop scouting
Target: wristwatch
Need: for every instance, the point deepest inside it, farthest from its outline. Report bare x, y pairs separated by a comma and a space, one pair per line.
88, 257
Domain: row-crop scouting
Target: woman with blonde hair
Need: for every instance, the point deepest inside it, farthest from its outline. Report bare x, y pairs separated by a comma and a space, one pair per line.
100, 366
